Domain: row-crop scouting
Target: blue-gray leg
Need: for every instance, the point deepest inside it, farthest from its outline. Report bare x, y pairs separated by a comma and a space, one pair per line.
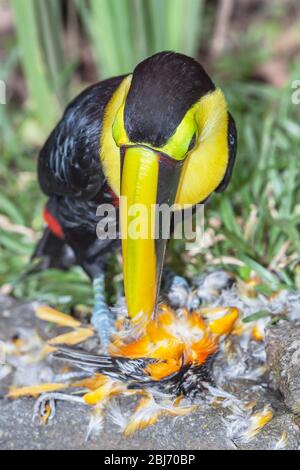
102, 316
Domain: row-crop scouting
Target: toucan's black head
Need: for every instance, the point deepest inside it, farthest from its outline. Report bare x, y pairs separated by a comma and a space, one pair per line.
163, 89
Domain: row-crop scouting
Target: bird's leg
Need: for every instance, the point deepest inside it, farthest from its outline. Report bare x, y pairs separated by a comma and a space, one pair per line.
50, 398
101, 315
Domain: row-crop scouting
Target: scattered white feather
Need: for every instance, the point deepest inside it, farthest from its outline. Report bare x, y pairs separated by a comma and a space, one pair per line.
95, 425
5, 370
242, 425
281, 443
116, 415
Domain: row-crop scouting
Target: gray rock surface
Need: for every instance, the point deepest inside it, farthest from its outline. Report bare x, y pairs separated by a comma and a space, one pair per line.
69, 428
206, 428
283, 357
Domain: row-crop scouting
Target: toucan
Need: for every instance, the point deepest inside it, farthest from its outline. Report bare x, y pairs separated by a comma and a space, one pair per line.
159, 135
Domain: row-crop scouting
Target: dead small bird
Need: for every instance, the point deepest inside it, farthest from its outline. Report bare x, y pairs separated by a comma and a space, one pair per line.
169, 362
189, 380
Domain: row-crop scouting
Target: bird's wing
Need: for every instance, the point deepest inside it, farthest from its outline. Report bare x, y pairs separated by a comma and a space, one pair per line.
232, 145
69, 162
188, 380
120, 368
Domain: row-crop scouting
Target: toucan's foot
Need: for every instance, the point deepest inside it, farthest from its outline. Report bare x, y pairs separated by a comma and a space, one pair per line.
104, 325
45, 407
102, 317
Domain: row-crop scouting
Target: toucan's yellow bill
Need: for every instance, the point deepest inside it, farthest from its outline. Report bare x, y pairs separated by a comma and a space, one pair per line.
147, 178
139, 184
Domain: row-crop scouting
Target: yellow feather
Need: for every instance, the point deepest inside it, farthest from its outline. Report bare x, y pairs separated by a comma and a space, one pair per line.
35, 390
205, 167
110, 154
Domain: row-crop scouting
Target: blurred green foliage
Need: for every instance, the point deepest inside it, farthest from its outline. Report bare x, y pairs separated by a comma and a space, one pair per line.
121, 33
259, 214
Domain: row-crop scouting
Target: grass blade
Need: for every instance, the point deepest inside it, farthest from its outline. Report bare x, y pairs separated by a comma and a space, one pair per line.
173, 34
50, 32
43, 104
140, 29
191, 28
98, 23
120, 12
9, 208
157, 18
262, 272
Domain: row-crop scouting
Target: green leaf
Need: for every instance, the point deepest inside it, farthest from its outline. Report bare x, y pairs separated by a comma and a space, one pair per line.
256, 316
141, 26
238, 243
50, 29
9, 208
15, 245
191, 26
174, 25
260, 270
228, 216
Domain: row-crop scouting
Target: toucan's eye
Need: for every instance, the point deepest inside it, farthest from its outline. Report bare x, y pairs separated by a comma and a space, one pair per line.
192, 142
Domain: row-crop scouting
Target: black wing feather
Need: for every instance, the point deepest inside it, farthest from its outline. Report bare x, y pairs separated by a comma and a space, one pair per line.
121, 368
69, 161
189, 380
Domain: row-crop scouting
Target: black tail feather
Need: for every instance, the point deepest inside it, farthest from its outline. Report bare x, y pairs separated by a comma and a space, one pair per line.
53, 252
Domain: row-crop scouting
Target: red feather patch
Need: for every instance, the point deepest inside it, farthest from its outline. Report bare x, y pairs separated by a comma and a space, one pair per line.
115, 198
53, 224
